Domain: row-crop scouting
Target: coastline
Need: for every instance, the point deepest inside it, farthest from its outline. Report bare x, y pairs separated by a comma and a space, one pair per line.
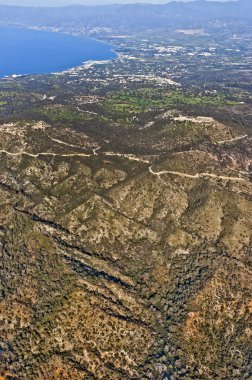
74, 69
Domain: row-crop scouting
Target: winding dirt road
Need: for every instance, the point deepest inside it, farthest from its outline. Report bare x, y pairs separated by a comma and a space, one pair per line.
36, 155
129, 157
232, 140
195, 176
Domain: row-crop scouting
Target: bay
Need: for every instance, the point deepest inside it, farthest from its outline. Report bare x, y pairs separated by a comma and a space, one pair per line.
28, 51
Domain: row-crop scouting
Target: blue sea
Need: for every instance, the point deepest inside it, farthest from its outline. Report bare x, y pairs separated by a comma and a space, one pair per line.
27, 51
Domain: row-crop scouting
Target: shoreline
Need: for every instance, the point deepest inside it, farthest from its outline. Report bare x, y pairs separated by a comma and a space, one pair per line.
76, 68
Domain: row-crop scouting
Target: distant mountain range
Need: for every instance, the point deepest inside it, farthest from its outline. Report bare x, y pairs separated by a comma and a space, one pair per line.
136, 16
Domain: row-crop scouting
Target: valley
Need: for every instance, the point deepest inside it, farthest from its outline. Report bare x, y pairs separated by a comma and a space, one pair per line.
126, 203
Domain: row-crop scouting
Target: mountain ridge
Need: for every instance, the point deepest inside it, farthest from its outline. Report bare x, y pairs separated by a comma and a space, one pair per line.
137, 16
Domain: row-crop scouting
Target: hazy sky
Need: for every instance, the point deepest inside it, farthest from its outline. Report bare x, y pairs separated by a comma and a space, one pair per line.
83, 2
67, 2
